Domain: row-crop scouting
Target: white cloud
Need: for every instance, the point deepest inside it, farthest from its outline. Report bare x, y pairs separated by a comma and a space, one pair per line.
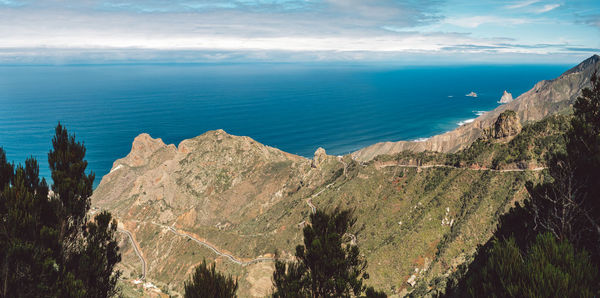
546, 8
476, 21
256, 29
521, 4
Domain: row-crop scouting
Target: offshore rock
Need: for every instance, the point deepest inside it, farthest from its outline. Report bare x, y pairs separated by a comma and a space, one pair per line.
506, 97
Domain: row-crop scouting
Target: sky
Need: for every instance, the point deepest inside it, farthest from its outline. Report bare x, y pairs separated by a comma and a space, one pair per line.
382, 31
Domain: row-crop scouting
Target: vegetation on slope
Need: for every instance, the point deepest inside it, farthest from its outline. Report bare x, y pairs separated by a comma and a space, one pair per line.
550, 245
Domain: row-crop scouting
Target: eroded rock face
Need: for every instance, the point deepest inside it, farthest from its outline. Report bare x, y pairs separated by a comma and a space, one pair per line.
142, 148
507, 125
319, 157
201, 180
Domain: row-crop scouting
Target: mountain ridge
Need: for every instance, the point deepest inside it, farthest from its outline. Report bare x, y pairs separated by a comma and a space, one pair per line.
546, 97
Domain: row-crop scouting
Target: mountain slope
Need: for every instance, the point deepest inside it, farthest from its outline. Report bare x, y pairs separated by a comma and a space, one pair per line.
416, 211
545, 98
420, 215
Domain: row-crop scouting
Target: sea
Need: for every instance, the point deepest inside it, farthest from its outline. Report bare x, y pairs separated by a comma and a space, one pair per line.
294, 107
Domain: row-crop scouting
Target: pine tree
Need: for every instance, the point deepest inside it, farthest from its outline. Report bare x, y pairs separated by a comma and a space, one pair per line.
569, 206
47, 246
329, 264
549, 268
6, 170
206, 282
72, 187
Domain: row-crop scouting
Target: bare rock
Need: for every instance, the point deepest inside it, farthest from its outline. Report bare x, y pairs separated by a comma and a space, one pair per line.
506, 97
507, 125
319, 157
142, 149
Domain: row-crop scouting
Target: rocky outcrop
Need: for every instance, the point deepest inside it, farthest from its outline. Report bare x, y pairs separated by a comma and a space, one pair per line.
319, 158
545, 98
213, 183
214, 168
506, 97
507, 125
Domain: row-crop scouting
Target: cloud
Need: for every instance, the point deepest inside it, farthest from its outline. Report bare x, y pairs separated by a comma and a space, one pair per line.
173, 6
593, 20
546, 8
11, 3
476, 21
521, 4
587, 50
220, 30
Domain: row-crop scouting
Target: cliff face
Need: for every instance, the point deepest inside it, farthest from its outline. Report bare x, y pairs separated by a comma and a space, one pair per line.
507, 125
545, 98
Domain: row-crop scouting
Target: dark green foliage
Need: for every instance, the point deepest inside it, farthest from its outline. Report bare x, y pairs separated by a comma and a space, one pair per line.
6, 170
206, 282
99, 256
26, 246
289, 280
47, 246
372, 293
564, 213
569, 205
72, 187
549, 268
583, 147
328, 265
535, 143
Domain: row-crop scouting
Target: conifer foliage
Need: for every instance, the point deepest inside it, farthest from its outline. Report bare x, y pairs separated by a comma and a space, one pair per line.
48, 245
548, 268
550, 246
329, 264
206, 282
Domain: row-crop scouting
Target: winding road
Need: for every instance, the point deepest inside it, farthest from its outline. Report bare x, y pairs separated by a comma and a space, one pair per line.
309, 200
136, 249
455, 167
216, 251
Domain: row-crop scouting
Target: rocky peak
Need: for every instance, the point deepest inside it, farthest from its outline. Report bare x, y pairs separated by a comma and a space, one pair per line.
587, 63
319, 157
142, 148
507, 125
506, 97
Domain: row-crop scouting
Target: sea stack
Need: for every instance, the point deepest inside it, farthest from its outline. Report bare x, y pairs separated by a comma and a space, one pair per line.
506, 97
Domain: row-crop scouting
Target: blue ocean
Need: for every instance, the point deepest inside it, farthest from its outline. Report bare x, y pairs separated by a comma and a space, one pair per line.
296, 108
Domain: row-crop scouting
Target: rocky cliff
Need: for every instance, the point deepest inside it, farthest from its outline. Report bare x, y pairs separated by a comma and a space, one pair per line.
545, 98
507, 125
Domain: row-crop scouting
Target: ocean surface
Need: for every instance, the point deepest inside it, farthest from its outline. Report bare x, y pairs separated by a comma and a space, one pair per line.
296, 108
